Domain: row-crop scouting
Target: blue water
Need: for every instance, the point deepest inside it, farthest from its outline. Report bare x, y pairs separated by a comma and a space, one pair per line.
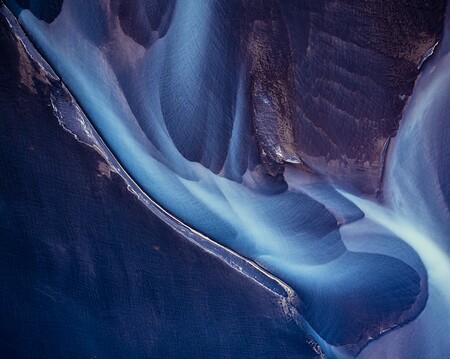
174, 115
91, 267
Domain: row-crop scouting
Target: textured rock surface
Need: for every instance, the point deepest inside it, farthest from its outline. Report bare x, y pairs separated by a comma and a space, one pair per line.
336, 76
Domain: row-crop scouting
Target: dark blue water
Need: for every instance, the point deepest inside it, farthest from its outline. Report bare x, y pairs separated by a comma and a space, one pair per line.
180, 107
87, 270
